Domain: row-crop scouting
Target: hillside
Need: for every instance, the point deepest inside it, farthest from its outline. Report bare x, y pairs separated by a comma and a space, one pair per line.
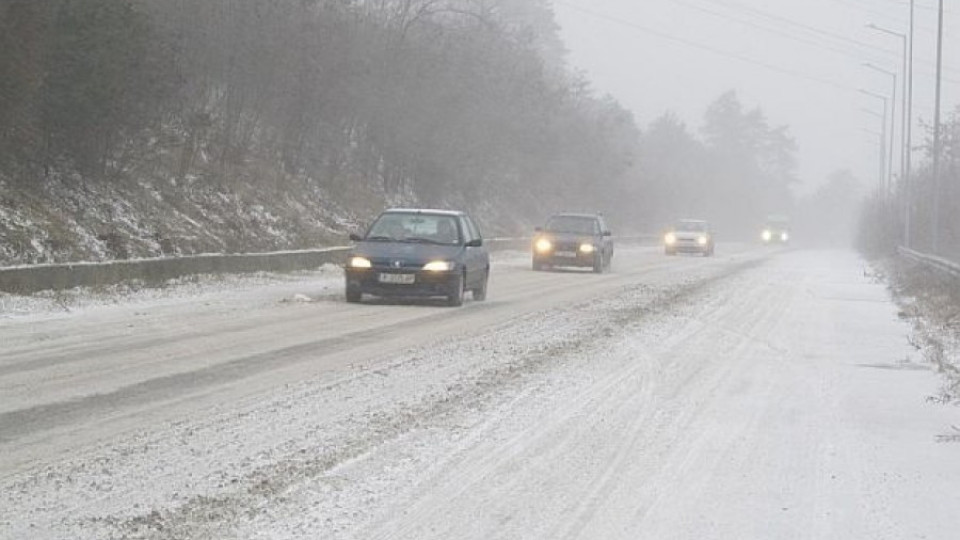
136, 129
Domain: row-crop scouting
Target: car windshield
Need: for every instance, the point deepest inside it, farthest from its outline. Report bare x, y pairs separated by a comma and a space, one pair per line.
409, 227
572, 224
690, 226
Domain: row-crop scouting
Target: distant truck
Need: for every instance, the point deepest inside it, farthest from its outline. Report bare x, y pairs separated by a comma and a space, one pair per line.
776, 230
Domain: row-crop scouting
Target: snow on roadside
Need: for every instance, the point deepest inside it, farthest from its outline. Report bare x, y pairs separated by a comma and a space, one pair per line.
46, 304
293, 286
932, 302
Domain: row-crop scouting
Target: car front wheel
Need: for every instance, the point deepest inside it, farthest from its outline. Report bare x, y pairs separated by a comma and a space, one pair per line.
455, 297
353, 295
480, 293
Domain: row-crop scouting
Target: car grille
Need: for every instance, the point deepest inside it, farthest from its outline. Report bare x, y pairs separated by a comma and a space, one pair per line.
566, 246
396, 264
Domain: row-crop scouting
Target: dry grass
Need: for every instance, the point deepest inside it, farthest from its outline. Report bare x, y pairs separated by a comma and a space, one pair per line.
931, 300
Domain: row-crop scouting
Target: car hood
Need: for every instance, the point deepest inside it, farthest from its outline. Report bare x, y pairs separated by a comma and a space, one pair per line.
689, 235
405, 251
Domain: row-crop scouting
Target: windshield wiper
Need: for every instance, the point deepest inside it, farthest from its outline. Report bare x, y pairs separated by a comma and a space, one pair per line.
378, 239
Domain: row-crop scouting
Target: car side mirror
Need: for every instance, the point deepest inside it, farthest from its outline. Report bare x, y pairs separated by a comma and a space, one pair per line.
538, 229
476, 242
354, 237
607, 233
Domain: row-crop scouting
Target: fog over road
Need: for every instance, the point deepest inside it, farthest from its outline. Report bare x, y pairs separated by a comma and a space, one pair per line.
757, 394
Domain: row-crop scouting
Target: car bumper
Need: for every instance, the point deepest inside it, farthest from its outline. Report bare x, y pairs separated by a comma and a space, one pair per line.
694, 247
554, 259
424, 284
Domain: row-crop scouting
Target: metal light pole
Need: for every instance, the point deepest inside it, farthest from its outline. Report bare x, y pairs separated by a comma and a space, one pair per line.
937, 150
881, 144
904, 146
893, 117
908, 176
885, 100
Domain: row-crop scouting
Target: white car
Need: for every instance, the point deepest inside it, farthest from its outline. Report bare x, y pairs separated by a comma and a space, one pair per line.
689, 236
776, 231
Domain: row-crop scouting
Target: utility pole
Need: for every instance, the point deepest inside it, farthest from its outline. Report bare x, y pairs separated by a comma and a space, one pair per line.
935, 215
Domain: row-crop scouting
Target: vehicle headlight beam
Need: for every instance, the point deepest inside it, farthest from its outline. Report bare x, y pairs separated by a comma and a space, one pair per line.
359, 262
438, 266
543, 245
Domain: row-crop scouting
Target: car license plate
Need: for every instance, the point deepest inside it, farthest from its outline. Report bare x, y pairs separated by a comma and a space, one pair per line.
398, 279
566, 254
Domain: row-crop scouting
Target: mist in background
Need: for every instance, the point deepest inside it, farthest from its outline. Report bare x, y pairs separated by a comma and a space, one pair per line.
802, 63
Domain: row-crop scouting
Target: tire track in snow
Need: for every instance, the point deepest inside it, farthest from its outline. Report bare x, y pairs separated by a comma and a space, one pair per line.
544, 444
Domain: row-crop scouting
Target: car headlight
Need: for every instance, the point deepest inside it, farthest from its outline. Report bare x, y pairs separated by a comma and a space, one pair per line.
359, 262
767, 235
670, 239
438, 266
543, 245
784, 237
587, 248
702, 240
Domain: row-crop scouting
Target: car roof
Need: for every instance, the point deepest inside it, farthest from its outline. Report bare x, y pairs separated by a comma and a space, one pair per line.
424, 211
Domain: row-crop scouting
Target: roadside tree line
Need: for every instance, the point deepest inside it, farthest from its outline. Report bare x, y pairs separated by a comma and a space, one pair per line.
402, 96
439, 102
738, 170
934, 203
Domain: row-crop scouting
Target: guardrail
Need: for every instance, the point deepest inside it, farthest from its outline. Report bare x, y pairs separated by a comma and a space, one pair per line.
940, 264
30, 279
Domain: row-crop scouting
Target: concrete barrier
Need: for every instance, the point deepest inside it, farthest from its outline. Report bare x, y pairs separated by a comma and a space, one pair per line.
42, 277
35, 278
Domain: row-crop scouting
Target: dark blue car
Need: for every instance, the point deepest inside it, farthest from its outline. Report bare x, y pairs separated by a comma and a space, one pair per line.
419, 253
573, 240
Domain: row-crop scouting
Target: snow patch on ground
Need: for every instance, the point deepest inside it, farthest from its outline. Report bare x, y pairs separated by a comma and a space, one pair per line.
199, 288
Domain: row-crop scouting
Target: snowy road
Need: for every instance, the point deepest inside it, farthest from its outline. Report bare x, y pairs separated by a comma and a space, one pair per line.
757, 394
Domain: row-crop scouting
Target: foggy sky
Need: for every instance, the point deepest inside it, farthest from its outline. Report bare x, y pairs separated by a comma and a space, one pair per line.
752, 47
